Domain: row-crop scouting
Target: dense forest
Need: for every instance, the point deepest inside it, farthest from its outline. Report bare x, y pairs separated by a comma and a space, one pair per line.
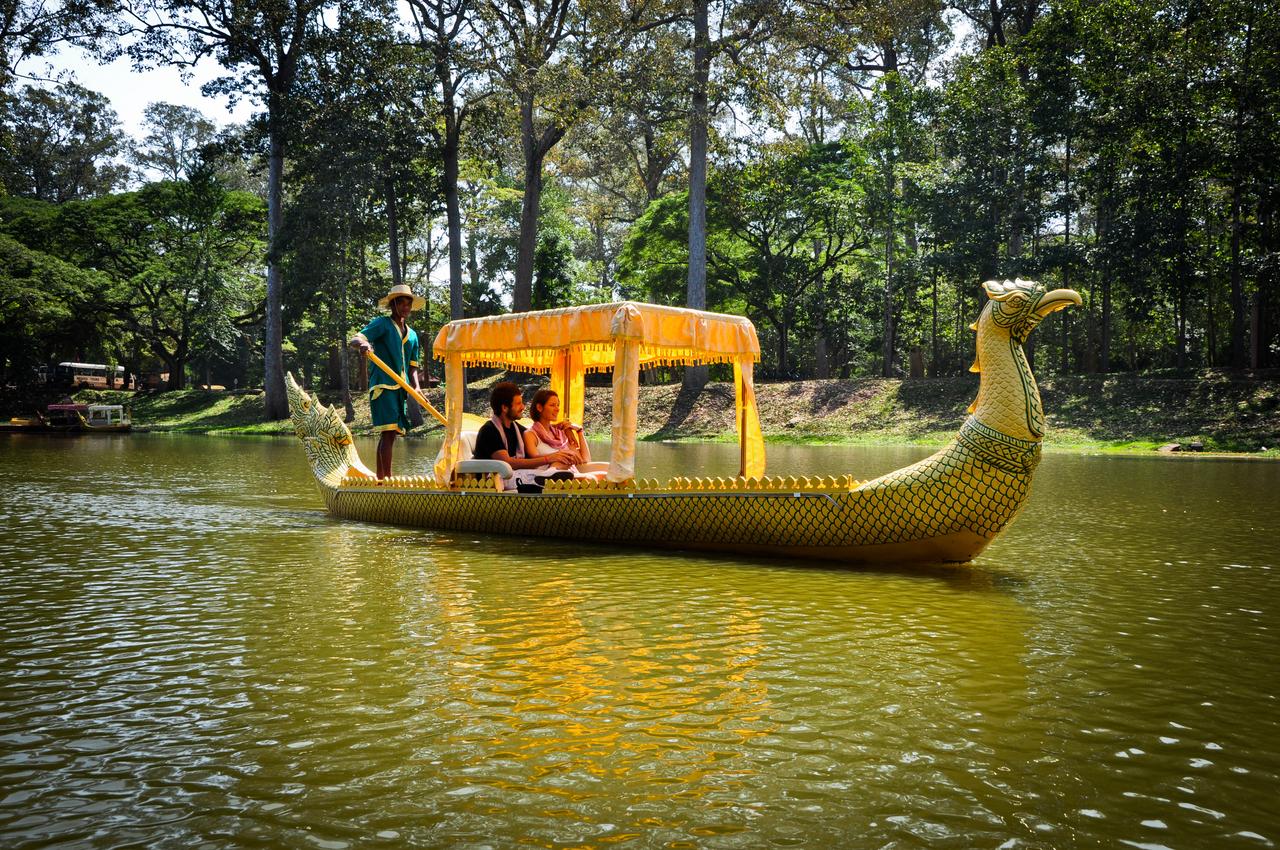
844, 173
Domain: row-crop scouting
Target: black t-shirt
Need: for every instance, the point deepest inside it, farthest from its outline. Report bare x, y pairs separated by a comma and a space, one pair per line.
489, 441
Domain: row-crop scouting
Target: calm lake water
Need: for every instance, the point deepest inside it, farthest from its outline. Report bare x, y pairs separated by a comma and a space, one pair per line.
192, 654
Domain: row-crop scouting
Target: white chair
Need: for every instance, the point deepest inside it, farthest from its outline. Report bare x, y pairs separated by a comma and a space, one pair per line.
468, 466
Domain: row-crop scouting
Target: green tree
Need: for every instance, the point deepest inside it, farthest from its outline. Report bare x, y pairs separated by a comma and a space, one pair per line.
654, 262
446, 30
741, 25
627, 150
204, 247
62, 145
781, 231
31, 28
172, 268
780, 226
45, 309
552, 57
261, 44
364, 181
175, 140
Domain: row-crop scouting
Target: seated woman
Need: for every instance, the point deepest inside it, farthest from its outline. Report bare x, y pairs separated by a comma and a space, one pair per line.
547, 436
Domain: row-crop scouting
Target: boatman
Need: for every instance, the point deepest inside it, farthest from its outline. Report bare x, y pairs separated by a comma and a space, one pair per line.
396, 344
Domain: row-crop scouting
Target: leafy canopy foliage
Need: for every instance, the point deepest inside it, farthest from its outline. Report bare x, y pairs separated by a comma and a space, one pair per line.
60, 144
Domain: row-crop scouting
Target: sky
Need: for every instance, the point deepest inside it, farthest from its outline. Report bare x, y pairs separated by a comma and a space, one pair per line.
130, 91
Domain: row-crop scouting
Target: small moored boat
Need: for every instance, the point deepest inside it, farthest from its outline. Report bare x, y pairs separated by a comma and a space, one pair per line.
73, 419
946, 508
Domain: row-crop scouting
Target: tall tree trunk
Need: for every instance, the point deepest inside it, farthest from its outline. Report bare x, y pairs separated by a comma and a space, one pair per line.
1211, 330
696, 288
177, 373
1256, 356
784, 367
473, 263
333, 363
887, 319
1103, 326
821, 357
695, 377
534, 147
344, 370
449, 152
934, 371
393, 231
176, 362
275, 400
890, 192
1017, 217
522, 295
1180, 356
1066, 259
362, 380
887, 306
1105, 323
1237, 189
1237, 284
1268, 283
454, 218
1185, 281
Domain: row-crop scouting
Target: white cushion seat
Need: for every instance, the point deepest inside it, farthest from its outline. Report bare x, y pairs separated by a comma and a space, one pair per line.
468, 466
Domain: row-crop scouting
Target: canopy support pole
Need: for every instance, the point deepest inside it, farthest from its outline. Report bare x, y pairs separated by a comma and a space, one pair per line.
454, 390
575, 388
747, 414
626, 398
568, 380
559, 379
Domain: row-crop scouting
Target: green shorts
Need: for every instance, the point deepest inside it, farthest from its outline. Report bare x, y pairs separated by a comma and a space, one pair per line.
388, 409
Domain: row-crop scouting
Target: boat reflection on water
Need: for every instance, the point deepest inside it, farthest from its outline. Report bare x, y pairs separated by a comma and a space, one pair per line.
563, 690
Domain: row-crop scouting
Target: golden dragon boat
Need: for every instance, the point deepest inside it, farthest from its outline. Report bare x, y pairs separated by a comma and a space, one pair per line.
945, 508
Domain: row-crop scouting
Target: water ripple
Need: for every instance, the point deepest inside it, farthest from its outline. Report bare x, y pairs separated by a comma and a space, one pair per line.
193, 654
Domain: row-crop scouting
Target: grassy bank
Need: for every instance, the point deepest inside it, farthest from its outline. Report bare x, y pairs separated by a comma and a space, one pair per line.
1098, 413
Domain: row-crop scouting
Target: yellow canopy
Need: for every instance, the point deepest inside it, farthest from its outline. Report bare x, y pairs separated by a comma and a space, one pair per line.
667, 336
622, 336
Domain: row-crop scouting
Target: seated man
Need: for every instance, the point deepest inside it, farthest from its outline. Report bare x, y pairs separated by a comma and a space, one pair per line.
502, 438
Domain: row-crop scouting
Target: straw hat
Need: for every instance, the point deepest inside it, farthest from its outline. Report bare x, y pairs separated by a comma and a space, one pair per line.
397, 291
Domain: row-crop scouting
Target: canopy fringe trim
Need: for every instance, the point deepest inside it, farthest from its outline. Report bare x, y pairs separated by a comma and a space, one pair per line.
540, 360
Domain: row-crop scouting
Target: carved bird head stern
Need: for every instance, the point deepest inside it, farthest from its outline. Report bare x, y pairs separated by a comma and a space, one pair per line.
325, 437
1018, 306
1014, 309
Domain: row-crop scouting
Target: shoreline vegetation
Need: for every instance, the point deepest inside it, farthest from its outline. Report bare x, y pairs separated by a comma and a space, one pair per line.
1238, 414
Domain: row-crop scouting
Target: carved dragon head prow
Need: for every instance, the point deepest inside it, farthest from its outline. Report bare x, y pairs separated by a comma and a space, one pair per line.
325, 438
1008, 398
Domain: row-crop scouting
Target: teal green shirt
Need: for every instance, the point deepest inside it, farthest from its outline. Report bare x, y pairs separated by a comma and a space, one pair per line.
400, 353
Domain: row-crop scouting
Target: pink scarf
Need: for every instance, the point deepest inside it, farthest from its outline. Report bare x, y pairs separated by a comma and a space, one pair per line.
553, 437
497, 423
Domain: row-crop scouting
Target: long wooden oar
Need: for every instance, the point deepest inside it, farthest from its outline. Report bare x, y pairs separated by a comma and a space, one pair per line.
414, 394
